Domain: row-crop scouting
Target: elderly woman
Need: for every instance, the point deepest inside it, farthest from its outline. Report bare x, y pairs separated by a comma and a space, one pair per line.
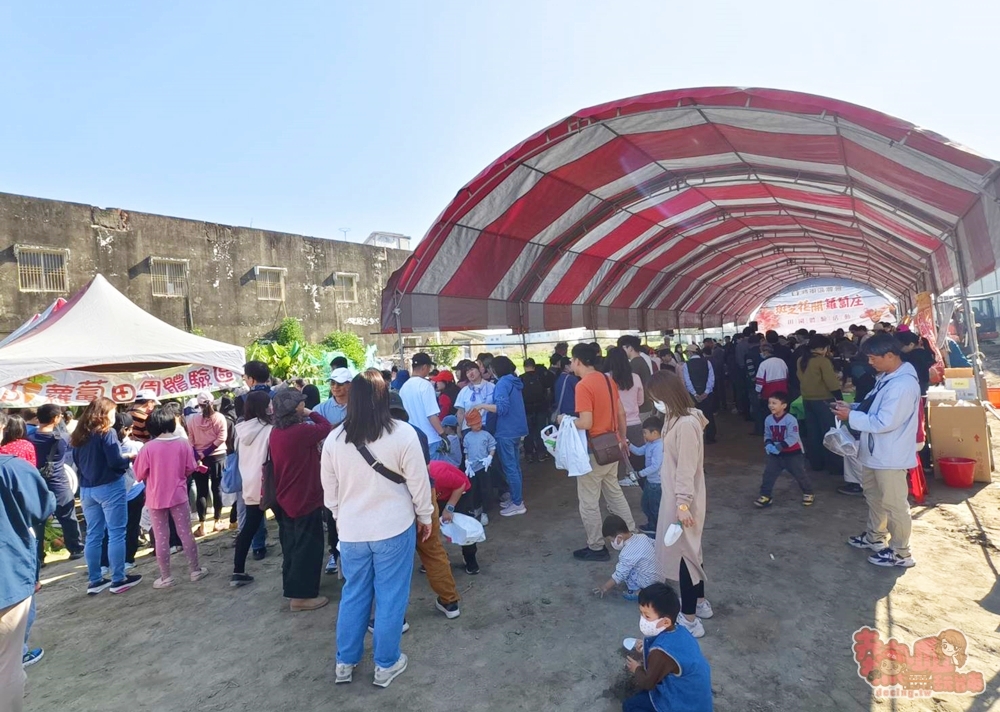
683, 500
376, 484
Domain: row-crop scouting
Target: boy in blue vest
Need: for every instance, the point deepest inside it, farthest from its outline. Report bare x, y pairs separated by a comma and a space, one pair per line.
673, 674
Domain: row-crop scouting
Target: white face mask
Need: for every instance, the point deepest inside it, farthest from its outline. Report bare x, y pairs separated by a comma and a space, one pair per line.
617, 544
649, 629
660, 406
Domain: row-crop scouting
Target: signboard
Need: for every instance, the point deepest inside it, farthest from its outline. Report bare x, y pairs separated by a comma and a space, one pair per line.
824, 305
82, 387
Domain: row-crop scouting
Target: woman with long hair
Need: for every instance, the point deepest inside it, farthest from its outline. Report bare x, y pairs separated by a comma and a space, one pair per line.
101, 468
683, 498
294, 447
375, 482
15, 440
820, 387
252, 436
631, 396
207, 430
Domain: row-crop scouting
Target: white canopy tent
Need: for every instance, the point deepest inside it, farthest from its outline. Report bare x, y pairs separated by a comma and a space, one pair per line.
100, 331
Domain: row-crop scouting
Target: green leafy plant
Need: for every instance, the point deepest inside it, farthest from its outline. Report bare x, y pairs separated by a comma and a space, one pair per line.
444, 356
348, 344
294, 360
290, 331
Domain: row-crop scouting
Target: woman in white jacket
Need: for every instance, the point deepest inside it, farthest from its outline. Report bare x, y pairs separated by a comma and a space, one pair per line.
252, 436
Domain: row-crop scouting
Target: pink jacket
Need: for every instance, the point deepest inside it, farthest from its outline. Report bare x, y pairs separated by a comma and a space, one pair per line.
208, 435
164, 464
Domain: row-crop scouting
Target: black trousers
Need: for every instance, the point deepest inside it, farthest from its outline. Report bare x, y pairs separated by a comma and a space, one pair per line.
131, 531
301, 550
332, 538
707, 407
203, 481
255, 515
533, 445
689, 592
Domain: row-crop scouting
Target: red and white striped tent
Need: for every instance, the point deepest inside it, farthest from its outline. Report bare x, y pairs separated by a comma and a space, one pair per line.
691, 207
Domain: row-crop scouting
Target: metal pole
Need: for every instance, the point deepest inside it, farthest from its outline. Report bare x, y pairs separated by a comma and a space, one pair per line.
524, 345
399, 333
970, 318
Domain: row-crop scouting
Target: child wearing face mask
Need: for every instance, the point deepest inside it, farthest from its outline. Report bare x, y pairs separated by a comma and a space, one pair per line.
673, 674
652, 451
636, 567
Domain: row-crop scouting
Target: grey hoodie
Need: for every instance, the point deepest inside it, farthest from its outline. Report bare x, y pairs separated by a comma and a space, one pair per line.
889, 428
252, 437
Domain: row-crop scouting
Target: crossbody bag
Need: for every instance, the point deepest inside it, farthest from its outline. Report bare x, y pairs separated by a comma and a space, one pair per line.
374, 463
607, 447
562, 392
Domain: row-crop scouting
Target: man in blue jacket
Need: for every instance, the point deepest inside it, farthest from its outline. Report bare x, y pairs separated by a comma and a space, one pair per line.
887, 420
26, 503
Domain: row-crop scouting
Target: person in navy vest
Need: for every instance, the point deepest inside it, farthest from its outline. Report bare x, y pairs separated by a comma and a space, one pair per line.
673, 674
700, 381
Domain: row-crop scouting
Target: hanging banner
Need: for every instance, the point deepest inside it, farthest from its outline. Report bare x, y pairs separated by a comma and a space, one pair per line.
82, 387
824, 305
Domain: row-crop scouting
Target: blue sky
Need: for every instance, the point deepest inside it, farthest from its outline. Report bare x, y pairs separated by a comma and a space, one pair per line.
307, 117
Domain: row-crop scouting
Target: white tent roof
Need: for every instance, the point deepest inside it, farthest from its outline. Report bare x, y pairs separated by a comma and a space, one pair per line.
100, 328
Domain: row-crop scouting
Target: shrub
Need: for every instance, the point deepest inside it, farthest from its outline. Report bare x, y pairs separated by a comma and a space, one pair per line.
348, 344
290, 331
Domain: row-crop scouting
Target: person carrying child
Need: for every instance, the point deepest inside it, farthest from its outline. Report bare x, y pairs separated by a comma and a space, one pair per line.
453, 453
452, 488
673, 674
784, 451
652, 450
164, 464
480, 447
637, 566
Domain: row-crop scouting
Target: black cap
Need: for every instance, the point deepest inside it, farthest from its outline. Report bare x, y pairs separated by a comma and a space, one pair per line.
396, 401
422, 359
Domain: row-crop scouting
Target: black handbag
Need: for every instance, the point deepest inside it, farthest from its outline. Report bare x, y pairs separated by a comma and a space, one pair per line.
268, 490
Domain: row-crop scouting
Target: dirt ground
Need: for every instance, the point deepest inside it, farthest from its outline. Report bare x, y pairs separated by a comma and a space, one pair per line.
788, 594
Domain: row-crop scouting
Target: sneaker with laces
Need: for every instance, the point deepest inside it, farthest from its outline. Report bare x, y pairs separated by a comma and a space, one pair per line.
31, 657
808, 500
694, 627
513, 510
704, 610
238, 580
889, 558
852, 489
331, 565
345, 673
864, 542
383, 676
450, 610
763, 502
505, 500
484, 519
96, 587
588, 554
126, 583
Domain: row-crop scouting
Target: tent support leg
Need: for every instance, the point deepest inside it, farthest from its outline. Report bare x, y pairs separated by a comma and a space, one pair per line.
970, 318
399, 335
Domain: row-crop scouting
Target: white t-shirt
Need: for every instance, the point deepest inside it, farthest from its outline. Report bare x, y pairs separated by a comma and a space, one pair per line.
421, 402
470, 395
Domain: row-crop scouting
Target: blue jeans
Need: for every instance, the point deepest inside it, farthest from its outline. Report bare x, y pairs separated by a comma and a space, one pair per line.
259, 542
651, 503
378, 571
104, 507
510, 459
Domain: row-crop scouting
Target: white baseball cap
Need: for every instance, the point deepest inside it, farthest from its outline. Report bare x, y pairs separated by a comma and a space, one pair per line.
341, 376
147, 395
205, 397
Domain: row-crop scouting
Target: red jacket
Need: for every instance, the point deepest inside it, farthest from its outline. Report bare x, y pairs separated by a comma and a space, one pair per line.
295, 454
447, 478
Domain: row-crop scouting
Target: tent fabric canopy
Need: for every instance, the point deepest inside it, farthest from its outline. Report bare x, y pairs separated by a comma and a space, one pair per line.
689, 208
99, 327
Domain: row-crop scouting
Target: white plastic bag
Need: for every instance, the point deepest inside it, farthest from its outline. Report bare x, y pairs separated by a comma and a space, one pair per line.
839, 441
550, 436
571, 449
463, 530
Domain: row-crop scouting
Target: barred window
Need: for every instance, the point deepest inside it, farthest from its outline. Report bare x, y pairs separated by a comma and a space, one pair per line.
41, 269
169, 277
345, 287
270, 284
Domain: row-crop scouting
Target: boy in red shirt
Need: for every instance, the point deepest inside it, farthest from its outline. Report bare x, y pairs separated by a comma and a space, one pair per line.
451, 486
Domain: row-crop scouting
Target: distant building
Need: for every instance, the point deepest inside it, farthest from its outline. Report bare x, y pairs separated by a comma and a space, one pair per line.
391, 240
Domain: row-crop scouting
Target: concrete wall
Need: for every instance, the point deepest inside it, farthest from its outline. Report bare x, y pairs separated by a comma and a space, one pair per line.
223, 291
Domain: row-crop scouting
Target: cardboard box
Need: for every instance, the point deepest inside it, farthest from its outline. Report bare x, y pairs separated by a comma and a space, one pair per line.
962, 381
961, 431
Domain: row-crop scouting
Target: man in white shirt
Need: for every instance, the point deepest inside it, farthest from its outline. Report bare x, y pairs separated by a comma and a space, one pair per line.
420, 400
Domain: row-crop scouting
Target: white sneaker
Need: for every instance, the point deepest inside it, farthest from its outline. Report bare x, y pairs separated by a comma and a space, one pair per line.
627, 482
105, 572
345, 673
331, 565
513, 510
505, 501
383, 676
694, 627
484, 519
704, 610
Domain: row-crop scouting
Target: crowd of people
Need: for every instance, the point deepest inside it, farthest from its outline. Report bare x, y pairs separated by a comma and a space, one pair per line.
365, 477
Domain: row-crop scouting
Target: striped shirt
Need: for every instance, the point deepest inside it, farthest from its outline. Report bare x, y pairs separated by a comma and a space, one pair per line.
637, 563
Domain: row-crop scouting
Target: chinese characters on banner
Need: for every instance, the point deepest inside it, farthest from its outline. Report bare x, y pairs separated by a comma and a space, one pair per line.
824, 305
82, 387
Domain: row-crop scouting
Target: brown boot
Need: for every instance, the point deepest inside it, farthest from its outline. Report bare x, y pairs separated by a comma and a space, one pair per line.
308, 604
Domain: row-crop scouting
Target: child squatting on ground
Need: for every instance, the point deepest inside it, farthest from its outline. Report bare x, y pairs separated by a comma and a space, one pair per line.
673, 674
784, 451
652, 451
636, 559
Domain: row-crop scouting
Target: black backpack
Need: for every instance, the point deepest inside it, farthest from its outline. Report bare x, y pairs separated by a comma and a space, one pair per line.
534, 391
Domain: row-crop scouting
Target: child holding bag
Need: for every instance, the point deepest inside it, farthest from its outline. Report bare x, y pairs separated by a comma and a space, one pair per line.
451, 487
164, 465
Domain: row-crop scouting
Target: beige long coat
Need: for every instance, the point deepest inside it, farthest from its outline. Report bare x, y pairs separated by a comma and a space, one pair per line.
683, 475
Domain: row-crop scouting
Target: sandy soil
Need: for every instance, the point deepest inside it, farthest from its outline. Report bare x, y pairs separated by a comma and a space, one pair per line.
787, 591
